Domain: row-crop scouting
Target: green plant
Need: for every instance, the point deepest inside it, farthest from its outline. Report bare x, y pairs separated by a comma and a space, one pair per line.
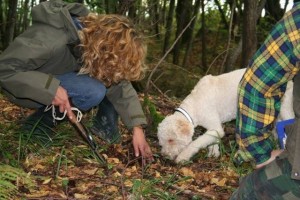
10, 179
154, 189
59, 162
153, 116
37, 139
8, 144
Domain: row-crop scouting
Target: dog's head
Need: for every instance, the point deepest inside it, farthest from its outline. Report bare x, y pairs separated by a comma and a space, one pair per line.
174, 134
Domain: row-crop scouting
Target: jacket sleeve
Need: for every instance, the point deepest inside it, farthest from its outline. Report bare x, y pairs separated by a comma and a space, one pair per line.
19, 76
126, 102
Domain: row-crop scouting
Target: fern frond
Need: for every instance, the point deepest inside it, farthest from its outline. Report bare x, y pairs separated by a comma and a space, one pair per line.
10, 179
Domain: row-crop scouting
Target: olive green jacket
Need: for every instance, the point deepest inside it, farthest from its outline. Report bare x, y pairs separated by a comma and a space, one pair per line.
48, 48
293, 133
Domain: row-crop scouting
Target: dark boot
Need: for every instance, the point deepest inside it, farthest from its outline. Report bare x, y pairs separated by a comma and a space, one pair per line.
105, 123
40, 122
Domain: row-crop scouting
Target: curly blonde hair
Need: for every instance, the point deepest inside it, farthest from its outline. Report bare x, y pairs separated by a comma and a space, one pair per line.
113, 50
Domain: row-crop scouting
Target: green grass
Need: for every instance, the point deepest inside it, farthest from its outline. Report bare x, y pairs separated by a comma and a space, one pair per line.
156, 188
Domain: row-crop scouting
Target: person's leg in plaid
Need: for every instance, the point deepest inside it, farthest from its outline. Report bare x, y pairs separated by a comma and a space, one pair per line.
279, 179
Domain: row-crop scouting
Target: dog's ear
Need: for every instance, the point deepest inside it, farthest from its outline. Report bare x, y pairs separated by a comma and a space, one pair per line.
184, 127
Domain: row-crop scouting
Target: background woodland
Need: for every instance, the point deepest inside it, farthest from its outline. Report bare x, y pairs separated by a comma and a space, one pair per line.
186, 38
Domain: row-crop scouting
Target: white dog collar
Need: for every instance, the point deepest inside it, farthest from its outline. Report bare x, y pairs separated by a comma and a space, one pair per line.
181, 110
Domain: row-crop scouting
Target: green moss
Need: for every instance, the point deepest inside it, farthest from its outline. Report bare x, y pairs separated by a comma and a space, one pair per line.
153, 117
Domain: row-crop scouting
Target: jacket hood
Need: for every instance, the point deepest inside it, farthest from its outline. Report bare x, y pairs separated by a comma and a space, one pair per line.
57, 13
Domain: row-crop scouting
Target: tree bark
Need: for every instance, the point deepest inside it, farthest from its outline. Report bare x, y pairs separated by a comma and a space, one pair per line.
1, 26
249, 31
192, 27
163, 12
154, 16
132, 11
273, 10
223, 16
169, 27
182, 18
11, 21
124, 6
203, 56
229, 66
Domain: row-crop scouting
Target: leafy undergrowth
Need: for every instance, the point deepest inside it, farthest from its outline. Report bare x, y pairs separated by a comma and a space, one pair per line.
67, 169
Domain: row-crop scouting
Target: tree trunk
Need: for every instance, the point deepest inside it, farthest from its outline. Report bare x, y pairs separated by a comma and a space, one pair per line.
11, 21
249, 31
223, 16
191, 39
157, 19
132, 11
203, 57
25, 17
274, 10
124, 6
229, 66
2, 25
169, 26
163, 13
139, 14
183, 18
285, 5
154, 16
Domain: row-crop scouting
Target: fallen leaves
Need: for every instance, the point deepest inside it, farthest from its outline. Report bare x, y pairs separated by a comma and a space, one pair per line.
90, 171
218, 182
75, 175
185, 171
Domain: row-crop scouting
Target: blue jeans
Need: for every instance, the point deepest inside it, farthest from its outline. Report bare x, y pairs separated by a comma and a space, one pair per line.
84, 91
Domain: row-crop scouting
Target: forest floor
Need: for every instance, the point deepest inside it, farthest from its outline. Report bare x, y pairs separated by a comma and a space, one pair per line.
67, 169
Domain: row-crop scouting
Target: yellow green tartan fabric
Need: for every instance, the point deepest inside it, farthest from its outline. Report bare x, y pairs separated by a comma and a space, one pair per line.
263, 85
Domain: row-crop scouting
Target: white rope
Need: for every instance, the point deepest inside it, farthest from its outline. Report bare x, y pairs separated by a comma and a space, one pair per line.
78, 116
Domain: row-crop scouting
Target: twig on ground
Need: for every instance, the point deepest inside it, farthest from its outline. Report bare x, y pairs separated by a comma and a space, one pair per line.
192, 194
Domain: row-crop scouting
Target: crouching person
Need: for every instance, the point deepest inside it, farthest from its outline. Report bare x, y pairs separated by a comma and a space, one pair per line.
70, 57
277, 174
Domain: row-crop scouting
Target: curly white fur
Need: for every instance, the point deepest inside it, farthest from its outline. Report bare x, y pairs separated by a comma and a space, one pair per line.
212, 102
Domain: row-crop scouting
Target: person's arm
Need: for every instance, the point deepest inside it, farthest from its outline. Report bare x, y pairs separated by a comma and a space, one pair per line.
140, 145
21, 80
18, 71
127, 104
274, 154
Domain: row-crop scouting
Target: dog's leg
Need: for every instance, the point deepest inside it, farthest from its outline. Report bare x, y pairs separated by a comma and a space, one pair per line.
213, 150
209, 139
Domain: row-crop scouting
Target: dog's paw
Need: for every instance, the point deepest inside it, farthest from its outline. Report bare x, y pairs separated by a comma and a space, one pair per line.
181, 158
213, 151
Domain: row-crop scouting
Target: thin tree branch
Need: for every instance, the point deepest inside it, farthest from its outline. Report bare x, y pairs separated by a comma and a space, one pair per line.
165, 55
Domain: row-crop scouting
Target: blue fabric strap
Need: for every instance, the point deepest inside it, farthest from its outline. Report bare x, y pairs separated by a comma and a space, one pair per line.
77, 23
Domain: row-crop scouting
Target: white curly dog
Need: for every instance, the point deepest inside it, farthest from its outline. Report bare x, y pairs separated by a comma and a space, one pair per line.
212, 102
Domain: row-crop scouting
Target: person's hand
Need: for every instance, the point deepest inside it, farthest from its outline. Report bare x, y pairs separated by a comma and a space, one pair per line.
274, 154
140, 145
61, 100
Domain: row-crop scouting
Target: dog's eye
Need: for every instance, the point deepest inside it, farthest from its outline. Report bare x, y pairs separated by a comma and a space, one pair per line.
171, 141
